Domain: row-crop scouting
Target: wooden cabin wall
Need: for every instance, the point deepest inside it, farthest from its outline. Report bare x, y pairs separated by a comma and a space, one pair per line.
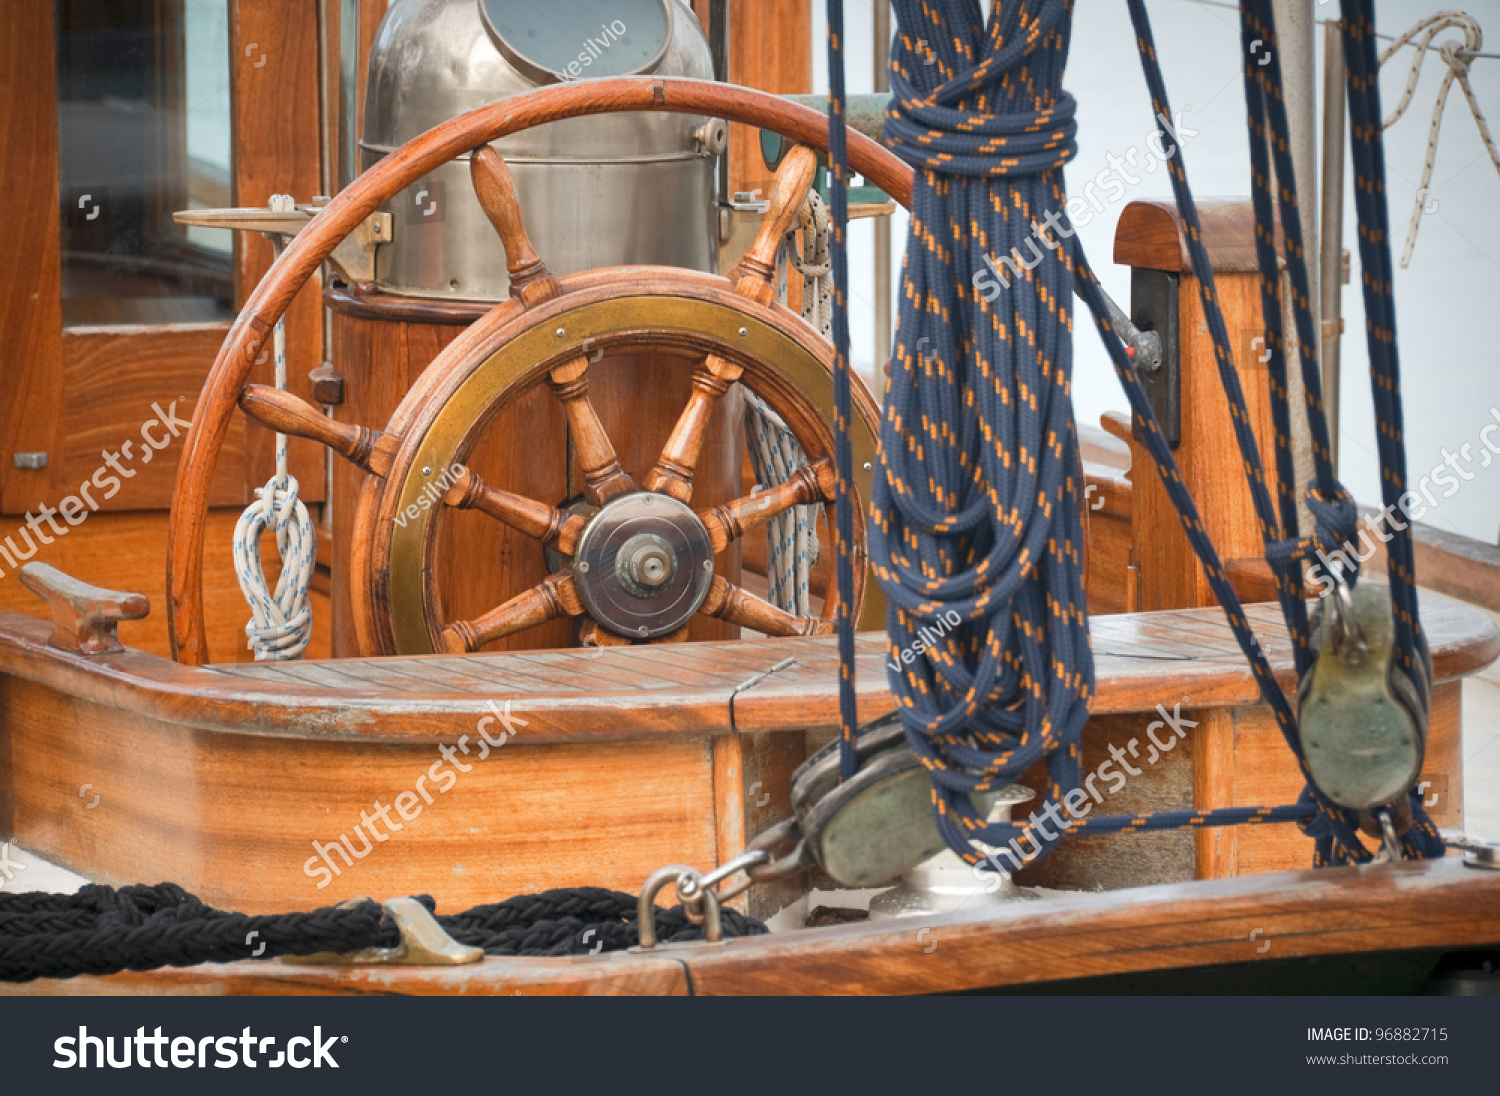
78, 394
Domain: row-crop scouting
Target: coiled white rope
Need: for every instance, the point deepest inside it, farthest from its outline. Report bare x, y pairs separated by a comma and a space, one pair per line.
792, 536
280, 625
1453, 54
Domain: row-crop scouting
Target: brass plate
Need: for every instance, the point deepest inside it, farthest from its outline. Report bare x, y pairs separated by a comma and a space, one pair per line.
772, 360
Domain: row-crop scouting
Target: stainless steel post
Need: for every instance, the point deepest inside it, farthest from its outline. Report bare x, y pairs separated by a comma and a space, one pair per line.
1331, 258
718, 44
883, 331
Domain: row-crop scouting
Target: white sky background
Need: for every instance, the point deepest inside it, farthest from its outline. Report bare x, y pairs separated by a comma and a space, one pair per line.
1446, 300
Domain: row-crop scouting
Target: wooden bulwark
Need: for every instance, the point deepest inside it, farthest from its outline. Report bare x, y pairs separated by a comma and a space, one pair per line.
623, 759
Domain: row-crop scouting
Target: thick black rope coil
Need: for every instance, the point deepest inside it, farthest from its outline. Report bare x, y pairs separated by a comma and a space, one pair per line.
102, 930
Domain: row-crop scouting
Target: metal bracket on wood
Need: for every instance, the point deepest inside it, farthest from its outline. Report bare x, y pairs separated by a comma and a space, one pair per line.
424, 943
1154, 312
353, 259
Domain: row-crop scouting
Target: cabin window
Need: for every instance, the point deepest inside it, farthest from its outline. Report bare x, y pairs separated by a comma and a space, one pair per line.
143, 130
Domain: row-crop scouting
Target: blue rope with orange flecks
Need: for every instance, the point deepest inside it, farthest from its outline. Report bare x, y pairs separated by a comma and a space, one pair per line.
1366, 128
992, 531
843, 407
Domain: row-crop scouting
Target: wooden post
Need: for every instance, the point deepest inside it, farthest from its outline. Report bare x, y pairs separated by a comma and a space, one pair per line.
1239, 757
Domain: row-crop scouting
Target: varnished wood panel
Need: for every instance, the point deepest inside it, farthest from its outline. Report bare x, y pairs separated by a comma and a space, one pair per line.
1107, 511
208, 768
31, 384
117, 379
226, 817
276, 110
771, 49
1169, 574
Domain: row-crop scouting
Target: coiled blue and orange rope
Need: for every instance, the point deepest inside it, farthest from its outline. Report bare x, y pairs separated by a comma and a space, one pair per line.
976, 507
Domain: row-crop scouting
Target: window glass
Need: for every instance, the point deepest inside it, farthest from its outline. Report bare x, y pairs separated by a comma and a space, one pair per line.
143, 130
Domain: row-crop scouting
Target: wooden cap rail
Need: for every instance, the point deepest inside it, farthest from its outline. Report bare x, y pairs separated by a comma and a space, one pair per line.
619, 693
85, 618
1150, 236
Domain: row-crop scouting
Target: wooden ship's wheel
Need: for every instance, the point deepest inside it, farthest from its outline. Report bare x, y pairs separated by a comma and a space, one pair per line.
636, 559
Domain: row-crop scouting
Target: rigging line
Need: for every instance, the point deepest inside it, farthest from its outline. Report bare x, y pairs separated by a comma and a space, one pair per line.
977, 503
1458, 69
843, 457
971, 511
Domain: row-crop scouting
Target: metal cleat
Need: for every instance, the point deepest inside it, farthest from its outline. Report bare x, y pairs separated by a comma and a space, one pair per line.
424, 943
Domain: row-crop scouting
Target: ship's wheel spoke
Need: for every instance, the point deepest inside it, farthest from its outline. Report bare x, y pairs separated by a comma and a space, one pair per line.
726, 601
755, 276
288, 414
603, 478
553, 527
755, 279
812, 483
555, 597
673, 471
530, 281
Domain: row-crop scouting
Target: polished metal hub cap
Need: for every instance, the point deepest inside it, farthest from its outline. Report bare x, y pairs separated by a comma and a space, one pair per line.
644, 565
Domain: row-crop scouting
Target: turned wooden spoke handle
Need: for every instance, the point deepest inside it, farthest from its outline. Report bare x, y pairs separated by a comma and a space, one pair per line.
555, 597
812, 483
530, 280
548, 524
285, 413
85, 618
603, 478
757, 271
673, 472
726, 601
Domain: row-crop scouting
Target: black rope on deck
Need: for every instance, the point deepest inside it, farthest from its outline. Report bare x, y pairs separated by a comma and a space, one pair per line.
104, 930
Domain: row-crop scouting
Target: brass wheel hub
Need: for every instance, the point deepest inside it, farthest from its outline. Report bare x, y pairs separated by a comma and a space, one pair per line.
644, 565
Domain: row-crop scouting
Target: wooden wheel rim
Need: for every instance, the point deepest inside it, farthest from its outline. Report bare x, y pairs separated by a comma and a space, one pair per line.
453, 402
309, 249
